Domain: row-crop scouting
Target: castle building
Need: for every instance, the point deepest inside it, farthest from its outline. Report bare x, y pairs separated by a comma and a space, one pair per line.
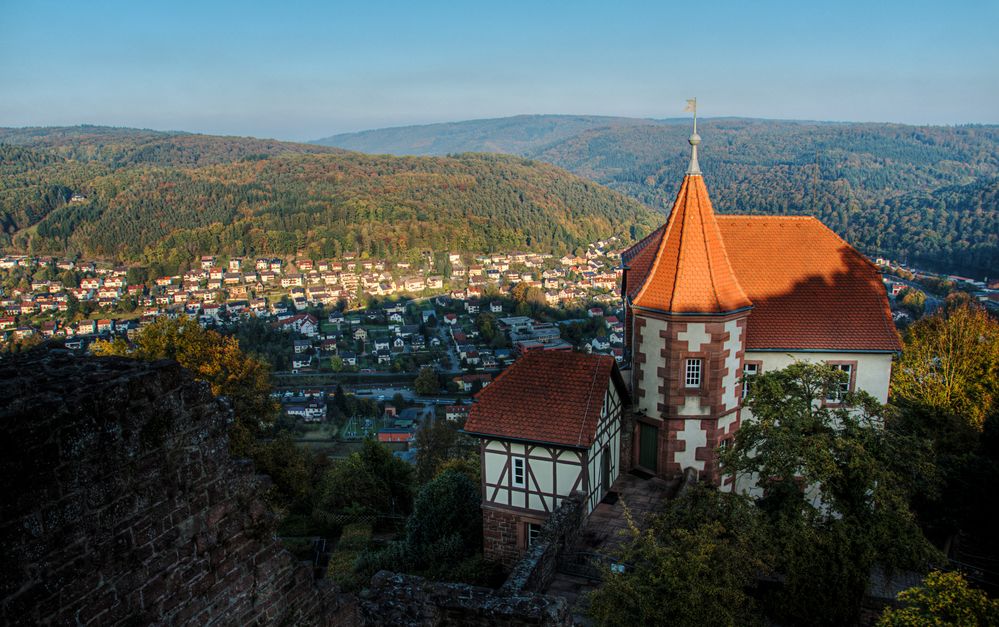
709, 302
712, 299
549, 426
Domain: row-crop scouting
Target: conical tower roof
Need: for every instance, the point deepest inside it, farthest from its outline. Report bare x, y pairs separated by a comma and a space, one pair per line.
691, 273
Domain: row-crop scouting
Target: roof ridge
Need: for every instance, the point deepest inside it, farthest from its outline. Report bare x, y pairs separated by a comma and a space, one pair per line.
750, 216
710, 260
667, 228
680, 256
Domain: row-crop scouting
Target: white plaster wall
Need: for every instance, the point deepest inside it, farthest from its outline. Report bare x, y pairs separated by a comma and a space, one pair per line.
873, 369
651, 345
730, 383
726, 421
873, 375
692, 407
567, 474
695, 336
544, 473
694, 437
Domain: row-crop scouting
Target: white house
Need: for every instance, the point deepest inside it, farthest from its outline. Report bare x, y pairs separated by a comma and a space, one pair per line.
548, 426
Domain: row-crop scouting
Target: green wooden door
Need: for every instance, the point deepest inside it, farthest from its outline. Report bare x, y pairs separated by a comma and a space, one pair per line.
648, 447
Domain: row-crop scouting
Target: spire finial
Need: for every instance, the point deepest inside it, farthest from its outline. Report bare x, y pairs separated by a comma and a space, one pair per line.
695, 139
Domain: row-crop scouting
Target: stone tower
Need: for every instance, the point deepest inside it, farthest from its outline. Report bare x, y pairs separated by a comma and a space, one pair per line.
685, 316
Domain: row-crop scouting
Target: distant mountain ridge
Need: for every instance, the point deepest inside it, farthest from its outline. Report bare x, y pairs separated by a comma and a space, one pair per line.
861, 179
165, 198
517, 135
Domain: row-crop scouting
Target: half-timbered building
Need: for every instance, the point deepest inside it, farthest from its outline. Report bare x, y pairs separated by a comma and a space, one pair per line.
549, 426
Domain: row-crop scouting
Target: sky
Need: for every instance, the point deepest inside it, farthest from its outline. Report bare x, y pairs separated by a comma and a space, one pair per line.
299, 70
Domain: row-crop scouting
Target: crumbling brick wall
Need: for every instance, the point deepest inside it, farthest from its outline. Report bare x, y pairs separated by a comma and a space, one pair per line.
121, 504
538, 566
395, 599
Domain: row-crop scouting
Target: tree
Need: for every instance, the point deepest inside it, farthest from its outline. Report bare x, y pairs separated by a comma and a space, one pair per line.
436, 442
213, 358
289, 466
690, 567
486, 323
371, 481
136, 275
950, 364
69, 279
446, 524
942, 599
72, 306
426, 382
913, 300
836, 488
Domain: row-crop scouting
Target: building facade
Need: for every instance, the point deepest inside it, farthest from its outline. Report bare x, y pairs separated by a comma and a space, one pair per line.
549, 426
712, 299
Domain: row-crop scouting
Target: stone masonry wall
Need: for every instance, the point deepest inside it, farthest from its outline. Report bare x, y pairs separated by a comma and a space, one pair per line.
121, 504
500, 541
395, 599
538, 566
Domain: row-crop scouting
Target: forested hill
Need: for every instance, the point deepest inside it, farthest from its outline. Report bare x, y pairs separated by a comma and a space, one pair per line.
167, 198
869, 182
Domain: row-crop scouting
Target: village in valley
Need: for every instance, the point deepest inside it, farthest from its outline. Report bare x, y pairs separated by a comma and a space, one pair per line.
369, 327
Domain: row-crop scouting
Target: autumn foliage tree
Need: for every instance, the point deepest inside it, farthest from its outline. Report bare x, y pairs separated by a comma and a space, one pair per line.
942, 599
950, 364
214, 358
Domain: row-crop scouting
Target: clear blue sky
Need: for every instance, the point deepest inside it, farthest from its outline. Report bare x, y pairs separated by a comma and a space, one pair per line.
302, 70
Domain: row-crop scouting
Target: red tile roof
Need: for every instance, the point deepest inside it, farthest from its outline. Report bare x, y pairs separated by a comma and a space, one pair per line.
691, 272
547, 396
810, 290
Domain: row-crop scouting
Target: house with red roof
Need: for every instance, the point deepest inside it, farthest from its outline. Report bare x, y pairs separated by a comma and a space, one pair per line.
548, 426
711, 300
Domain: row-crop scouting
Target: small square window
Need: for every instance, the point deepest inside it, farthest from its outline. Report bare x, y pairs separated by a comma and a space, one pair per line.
748, 371
692, 378
518, 472
532, 533
836, 394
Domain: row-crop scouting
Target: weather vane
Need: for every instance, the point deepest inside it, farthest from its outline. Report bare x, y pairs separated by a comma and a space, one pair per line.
695, 139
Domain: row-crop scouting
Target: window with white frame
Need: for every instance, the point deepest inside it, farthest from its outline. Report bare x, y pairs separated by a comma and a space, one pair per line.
749, 370
532, 533
692, 375
518, 472
837, 392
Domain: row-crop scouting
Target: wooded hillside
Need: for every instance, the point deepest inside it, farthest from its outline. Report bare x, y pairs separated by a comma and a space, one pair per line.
871, 183
167, 198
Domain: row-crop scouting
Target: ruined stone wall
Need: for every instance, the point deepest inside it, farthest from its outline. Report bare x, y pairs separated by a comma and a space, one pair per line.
395, 599
121, 505
538, 566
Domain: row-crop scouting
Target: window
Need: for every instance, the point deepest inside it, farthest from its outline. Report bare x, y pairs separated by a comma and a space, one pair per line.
518, 472
836, 393
749, 370
693, 373
532, 532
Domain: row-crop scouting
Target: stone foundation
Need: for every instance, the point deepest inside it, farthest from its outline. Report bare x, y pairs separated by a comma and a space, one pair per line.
500, 536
